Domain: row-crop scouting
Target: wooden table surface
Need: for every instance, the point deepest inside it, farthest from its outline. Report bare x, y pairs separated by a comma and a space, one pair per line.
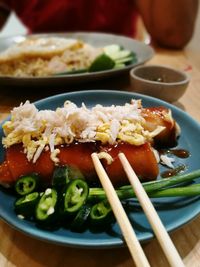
17, 249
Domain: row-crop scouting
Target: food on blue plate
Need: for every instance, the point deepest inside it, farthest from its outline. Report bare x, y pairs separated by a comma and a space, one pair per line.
49, 168
46, 56
36, 141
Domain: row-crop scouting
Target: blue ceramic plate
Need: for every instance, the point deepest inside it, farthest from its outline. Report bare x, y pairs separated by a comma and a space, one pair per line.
174, 212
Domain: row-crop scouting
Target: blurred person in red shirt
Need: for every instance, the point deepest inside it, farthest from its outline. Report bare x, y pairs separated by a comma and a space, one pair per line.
170, 23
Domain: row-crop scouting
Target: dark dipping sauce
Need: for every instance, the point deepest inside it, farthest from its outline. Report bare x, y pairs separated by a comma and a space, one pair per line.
159, 79
172, 172
180, 153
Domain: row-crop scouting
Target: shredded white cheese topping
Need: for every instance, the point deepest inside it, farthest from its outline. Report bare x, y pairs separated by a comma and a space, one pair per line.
40, 130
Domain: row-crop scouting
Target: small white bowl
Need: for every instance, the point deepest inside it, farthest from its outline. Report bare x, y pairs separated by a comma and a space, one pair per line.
159, 81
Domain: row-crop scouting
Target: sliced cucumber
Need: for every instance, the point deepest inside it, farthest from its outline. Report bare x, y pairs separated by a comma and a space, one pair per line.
102, 62
111, 49
119, 65
120, 54
124, 60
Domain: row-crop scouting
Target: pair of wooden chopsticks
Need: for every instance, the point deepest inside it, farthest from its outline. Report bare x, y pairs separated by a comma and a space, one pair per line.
133, 244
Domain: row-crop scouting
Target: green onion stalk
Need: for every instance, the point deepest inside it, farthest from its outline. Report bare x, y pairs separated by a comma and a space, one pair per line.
159, 188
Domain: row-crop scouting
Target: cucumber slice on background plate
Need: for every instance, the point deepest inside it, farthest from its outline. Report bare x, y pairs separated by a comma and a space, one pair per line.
116, 52
124, 60
120, 54
119, 65
111, 49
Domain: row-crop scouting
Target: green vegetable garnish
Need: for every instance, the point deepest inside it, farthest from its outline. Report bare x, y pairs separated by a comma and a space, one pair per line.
46, 208
156, 188
102, 62
75, 196
25, 206
26, 184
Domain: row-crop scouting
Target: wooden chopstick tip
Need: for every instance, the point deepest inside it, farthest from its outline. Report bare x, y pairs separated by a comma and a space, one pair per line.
121, 155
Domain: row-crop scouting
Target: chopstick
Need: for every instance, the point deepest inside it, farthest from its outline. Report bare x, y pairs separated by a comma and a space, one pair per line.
132, 242
157, 226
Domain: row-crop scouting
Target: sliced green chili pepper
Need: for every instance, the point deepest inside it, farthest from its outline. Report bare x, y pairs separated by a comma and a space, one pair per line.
79, 222
101, 214
63, 175
25, 206
26, 184
46, 208
60, 177
75, 196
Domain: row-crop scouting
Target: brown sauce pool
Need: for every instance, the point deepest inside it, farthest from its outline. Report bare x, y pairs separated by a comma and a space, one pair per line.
180, 153
172, 172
